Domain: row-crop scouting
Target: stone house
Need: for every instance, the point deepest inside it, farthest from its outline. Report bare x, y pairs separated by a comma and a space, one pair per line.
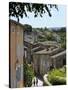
16, 48
59, 59
45, 60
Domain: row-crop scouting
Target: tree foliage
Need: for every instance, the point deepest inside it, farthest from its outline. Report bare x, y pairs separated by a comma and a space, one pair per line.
28, 28
19, 9
62, 34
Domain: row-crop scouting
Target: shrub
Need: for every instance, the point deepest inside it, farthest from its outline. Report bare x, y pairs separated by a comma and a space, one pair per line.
28, 75
57, 77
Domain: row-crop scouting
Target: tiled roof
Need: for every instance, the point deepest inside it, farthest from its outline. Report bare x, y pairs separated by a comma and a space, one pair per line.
59, 54
46, 52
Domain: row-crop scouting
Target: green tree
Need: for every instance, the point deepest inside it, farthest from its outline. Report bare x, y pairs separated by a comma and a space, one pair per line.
50, 37
28, 28
62, 34
19, 9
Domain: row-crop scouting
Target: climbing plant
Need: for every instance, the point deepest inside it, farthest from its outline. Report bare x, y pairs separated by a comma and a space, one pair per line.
28, 75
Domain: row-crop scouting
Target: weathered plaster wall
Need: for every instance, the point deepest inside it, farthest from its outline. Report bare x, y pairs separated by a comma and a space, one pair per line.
16, 54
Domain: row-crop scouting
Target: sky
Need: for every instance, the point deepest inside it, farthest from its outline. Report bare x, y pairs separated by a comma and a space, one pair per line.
58, 19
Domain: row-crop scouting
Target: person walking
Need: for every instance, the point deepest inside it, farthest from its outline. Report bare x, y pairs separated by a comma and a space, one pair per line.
36, 81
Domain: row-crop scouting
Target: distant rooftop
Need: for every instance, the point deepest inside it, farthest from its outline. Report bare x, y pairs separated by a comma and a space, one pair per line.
50, 43
15, 22
45, 51
59, 54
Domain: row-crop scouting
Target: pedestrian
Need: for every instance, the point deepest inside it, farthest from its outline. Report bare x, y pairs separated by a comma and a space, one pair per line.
36, 81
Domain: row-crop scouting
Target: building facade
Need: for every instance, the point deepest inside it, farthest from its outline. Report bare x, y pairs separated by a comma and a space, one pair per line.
45, 60
16, 48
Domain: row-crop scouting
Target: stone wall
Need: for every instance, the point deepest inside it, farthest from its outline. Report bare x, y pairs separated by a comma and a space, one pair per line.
43, 62
16, 54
